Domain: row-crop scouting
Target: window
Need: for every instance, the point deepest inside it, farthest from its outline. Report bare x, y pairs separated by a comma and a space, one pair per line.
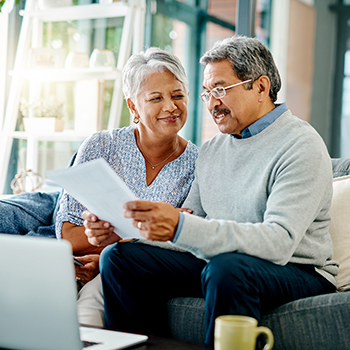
47, 84
188, 29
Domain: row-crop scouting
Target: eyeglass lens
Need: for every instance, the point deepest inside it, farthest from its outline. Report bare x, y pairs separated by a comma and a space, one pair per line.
218, 92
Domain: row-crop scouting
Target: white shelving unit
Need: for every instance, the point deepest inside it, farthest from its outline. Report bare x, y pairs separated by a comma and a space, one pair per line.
66, 135
4, 20
58, 14
133, 12
62, 75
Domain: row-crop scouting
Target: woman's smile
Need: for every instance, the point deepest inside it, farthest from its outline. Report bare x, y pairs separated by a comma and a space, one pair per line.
170, 119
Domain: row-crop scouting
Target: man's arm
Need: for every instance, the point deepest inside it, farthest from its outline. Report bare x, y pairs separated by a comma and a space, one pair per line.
193, 200
295, 221
297, 209
157, 221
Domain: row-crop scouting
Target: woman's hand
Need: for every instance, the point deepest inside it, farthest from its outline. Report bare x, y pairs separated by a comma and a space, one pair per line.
157, 221
90, 269
99, 232
185, 210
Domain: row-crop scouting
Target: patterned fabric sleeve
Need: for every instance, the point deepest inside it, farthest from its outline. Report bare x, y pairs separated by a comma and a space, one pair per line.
96, 146
118, 147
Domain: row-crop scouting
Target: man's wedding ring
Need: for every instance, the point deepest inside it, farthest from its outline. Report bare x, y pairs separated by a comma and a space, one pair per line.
139, 225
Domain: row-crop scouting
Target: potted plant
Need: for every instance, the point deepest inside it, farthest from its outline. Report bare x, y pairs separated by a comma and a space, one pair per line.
42, 115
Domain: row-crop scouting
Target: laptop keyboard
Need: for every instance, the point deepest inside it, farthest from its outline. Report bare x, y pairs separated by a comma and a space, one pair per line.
87, 344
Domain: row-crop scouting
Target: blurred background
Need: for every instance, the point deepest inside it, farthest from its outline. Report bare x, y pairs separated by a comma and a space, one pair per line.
310, 41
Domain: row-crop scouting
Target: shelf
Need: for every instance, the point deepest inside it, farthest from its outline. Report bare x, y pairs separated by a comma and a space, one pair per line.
57, 75
130, 12
66, 135
71, 13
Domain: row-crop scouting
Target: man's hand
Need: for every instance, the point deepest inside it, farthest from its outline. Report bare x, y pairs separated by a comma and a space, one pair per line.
90, 269
157, 221
99, 232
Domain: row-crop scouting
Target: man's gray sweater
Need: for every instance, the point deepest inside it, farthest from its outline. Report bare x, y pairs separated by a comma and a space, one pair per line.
268, 196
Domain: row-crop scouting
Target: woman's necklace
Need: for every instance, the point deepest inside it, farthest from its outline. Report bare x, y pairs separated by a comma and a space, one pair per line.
154, 165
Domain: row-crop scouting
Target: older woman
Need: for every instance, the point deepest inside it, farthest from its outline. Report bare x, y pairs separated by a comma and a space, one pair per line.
151, 158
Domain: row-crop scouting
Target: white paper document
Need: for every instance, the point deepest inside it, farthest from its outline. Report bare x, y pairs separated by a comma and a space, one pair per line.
96, 186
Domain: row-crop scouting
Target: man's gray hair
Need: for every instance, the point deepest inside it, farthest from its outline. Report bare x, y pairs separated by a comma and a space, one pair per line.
141, 65
250, 59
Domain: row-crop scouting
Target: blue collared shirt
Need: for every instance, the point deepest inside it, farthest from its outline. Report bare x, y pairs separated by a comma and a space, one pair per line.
249, 131
264, 121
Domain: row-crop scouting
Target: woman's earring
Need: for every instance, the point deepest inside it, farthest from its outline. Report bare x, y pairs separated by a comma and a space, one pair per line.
136, 120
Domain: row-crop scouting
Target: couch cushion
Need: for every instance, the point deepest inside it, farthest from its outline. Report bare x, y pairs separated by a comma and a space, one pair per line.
319, 322
312, 323
340, 229
186, 319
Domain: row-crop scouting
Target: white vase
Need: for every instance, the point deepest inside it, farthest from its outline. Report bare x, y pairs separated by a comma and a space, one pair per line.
42, 125
102, 58
77, 60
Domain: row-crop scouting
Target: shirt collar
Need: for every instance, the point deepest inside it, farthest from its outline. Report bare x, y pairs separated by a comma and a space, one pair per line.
264, 121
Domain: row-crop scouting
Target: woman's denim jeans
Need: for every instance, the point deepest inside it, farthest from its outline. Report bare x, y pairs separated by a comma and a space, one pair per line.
29, 213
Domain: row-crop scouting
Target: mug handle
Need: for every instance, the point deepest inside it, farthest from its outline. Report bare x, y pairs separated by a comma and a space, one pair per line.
269, 336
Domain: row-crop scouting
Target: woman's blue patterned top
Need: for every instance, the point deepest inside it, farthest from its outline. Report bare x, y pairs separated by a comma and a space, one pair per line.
118, 147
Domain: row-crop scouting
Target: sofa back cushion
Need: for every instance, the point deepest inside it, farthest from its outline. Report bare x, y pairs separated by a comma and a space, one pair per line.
340, 223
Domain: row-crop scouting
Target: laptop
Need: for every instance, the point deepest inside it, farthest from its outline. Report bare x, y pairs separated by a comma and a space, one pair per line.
38, 299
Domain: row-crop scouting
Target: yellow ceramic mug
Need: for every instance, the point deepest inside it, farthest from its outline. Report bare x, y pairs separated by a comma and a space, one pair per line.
239, 333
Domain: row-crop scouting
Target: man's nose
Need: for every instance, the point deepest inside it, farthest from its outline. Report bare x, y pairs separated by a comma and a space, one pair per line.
213, 102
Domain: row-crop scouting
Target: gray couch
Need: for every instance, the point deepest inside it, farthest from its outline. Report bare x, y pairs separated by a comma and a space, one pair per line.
316, 323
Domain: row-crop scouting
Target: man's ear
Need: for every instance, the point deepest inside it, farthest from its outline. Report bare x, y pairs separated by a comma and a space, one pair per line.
263, 85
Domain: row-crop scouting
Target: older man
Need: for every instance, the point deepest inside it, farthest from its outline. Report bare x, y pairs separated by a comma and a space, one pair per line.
258, 236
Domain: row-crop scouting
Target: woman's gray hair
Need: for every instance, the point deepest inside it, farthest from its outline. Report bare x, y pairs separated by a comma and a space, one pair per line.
141, 65
250, 59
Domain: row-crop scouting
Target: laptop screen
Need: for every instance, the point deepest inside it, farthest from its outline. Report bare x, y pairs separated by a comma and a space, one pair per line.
38, 299
37, 294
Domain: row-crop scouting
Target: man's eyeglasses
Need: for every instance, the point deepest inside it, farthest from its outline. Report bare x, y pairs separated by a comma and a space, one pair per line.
219, 92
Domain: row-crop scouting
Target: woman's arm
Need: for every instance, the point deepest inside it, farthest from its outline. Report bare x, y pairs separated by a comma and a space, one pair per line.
77, 238
87, 253
99, 233
90, 269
